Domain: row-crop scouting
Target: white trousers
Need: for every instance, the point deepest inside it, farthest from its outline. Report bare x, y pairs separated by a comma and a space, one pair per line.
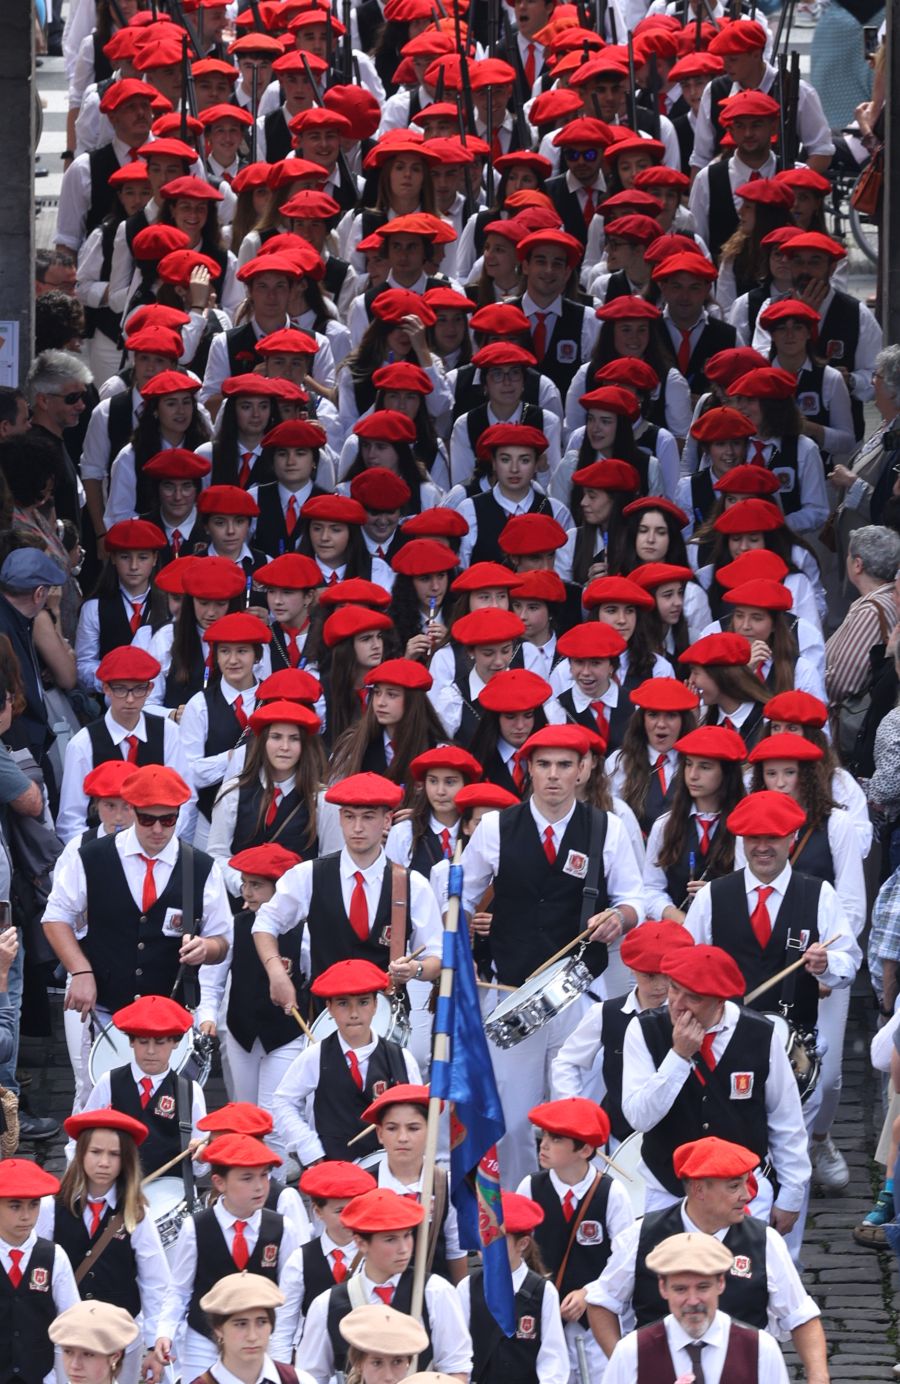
833, 1012
105, 357
253, 1076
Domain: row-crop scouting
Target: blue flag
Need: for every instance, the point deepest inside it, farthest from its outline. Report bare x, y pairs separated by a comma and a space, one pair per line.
476, 1122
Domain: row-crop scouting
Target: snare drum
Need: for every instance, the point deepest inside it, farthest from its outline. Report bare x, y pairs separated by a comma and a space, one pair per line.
193, 1055
627, 1158
801, 1055
538, 1001
168, 1207
390, 1022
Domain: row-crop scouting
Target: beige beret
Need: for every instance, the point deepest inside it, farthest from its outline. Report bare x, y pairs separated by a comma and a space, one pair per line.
377, 1327
431, 1377
96, 1326
238, 1292
690, 1253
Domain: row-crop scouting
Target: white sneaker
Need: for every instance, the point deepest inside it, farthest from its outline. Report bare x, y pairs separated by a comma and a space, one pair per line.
830, 1169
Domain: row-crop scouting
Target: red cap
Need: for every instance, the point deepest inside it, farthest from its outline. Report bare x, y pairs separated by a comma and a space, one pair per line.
268, 264
510, 435
130, 535
650, 575
169, 148
260, 386
134, 172
662, 176
629, 307
386, 425
616, 591
749, 105
227, 499
770, 382
291, 713
789, 309
503, 353
488, 795
806, 178
290, 571
750, 516
525, 534
549, 106
756, 565
350, 977
641, 229
178, 266
336, 509
713, 1157
358, 105
334, 1180
376, 488
704, 970
105, 1119
381, 1210
586, 131
214, 115
156, 315
738, 36
237, 1117
500, 319
592, 639
713, 742
394, 304
106, 779
153, 1016
422, 556
643, 948
449, 757
785, 745
722, 425
289, 685
404, 1093
354, 591
660, 503
127, 661
296, 432
521, 1215
19, 1177
240, 1151
796, 708
726, 366
157, 341
766, 192
155, 242
190, 187
560, 239
365, 790
269, 861
692, 264
636, 144
212, 578
488, 626
630, 372
155, 785
351, 620
400, 672
538, 585
760, 594
766, 814
128, 89
608, 474
724, 650
573, 1117
287, 341
485, 576
664, 694
565, 737
309, 204
515, 690
402, 374
612, 398
169, 382
438, 522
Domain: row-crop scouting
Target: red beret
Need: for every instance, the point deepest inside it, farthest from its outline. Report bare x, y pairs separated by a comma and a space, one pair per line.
169, 148
403, 375
758, 564
573, 1117
127, 661
692, 264
664, 694
725, 650
561, 240
515, 690
354, 591
178, 266
190, 187
500, 319
400, 672
788, 309
521, 1215
777, 240
156, 315
213, 578
353, 976
289, 685
171, 577
447, 298
722, 425
608, 474
643, 948
565, 737
667, 245
422, 556
351, 620
449, 757
586, 130
725, 366
806, 178
269, 861
240, 1151
485, 576
527, 158
320, 118
739, 36
785, 745
509, 435
628, 371
612, 398
174, 464
169, 382
713, 742
553, 105
283, 712
291, 572
641, 229
767, 192
214, 115
377, 488
592, 639
387, 425
696, 65
404, 1093
438, 522
538, 585
396, 303
770, 382
156, 341
420, 223
503, 353
127, 89
309, 204
268, 264
129, 535
365, 790
294, 62
662, 176
287, 341
106, 779
488, 626
660, 503
749, 105
766, 814
19, 1177
296, 432
156, 241
629, 307
713, 1157
490, 72
531, 533
238, 627
334, 1180
796, 708
259, 385
488, 795
760, 594
153, 1016
337, 509
750, 516
358, 105
239, 1116
105, 1119
636, 144
650, 575
155, 785
705, 970
631, 201
381, 1210
616, 591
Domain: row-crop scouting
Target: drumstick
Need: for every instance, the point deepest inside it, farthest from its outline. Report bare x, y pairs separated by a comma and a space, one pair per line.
495, 985
412, 956
179, 1158
562, 951
303, 1024
103, 1032
610, 1164
773, 980
369, 1129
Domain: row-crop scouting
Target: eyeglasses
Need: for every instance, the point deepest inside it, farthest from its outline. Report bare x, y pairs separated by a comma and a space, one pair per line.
118, 689
573, 155
74, 398
500, 376
148, 819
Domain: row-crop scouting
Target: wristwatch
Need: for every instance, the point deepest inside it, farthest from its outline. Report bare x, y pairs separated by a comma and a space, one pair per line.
420, 969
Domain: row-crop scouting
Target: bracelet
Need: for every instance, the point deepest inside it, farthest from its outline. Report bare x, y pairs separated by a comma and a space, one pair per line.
272, 958
81, 973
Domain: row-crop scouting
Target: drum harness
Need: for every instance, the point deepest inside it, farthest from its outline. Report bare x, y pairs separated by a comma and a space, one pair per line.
190, 987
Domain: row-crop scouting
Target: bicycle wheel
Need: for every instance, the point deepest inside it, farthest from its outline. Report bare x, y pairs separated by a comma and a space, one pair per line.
863, 229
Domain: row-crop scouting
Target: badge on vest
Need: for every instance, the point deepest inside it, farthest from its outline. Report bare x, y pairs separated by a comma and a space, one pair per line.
39, 1282
834, 350
787, 476
741, 1266
379, 1088
269, 1256
165, 1107
566, 352
741, 1085
808, 403
385, 938
173, 923
526, 1329
589, 1233
576, 864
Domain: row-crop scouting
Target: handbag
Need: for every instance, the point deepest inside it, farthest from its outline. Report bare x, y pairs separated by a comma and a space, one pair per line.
866, 196
849, 716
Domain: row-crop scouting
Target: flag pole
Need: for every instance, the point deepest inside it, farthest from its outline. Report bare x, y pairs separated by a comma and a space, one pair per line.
440, 1053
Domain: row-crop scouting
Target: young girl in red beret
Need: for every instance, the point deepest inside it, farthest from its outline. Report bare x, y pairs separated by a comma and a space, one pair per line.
398, 724
124, 598
643, 769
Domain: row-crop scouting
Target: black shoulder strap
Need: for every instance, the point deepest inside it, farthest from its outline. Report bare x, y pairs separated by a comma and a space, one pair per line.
190, 985
183, 1106
591, 891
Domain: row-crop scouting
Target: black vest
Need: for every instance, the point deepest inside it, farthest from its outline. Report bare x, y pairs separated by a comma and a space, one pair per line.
471, 711
279, 140
690, 864
723, 217
330, 935
251, 1013
492, 520
163, 1139
810, 400
119, 425
338, 1103
26, 1351
115, 627
703, 496
317, 1275
815, 859
336, 270
839, 341
591, 1248
569, 208
104, 319
746, 1294
617, 286
149, 751
339, 1306
426, 853
708, 1107
270, 533
730, 928
178, 693
618, 718
496, 1358
466, 384
613, 1023
126, 948
214, 1259
113, 1278
223, 731
755, 299
527, 887
716, 336
102, 164
287, 829
241, 345
562, 358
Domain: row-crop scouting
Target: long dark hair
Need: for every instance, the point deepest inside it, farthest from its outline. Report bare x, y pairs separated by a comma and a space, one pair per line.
681, 637
107, 588
641, 654
659, 353
634, 760
750, 258
146, 440
354, 553
186, 643
404, 609
738, 683
484, 741
418, 731
225, 470
814, 790
210, 237
587, 535
624, 557
720, 857
409, 468
371, 352
309, 776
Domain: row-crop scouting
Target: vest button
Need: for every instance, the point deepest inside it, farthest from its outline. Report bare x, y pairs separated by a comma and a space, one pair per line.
141, 946
142, 918
705, 1127
139, 972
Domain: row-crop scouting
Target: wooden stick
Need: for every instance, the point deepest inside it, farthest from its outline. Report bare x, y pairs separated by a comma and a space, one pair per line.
303, 1024
562, 951
610, 1164
495, 985
369, 1129
780, 975
179, 1158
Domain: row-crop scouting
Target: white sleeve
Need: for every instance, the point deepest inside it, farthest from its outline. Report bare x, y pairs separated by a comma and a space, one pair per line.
314, 1353
183, 1265
289, 904
427, 929
65, 1289
288, 1318
68, 895
74, 202
89, 287
451, 1343
580, 1054
679, 409
71, 818
120, 502
615, 1286
292, 1107
648, 1092
789, 1305
623, 878
656, 889
868, 346
482, 860
553, 1354
153, 1274
219, 842
121, 271
216, 368
813, 509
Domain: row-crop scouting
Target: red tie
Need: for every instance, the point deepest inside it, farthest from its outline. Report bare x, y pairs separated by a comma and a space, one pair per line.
290, 516
760, 921
706, 825
240, 714
601, 717
663, 102
660, 770
706, 1050
539, 335
96, 1209
353, 1064
445, 842
568, 1205
589, 208
518, 773
272, 813
684, 353
529, 66
244, 473
148, 897
759, 453
549, 847
385, 1292
15, 1273
359, 909
146, 1086
132, 742
728, 723
239, 1251
293, 648
177, 540
137, 610
338, 1267
755, 175
333, 579
496, 146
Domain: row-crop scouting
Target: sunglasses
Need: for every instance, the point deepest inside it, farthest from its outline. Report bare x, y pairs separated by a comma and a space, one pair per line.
573, 155
148, 819
74, 398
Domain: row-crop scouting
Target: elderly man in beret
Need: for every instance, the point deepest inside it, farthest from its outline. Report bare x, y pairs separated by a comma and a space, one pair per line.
695, 1340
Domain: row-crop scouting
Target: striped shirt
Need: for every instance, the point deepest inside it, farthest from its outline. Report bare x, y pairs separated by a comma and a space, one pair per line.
868, 622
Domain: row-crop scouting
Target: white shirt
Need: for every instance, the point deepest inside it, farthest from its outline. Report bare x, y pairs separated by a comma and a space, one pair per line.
75, 197
398, 846
867, 348
619, 1213
622, 1367
812, 127
552, 1363
581, 1056
590, 327
738, 174
206, 770
289, 1325
100, 1097
267, 1375
63, 1287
